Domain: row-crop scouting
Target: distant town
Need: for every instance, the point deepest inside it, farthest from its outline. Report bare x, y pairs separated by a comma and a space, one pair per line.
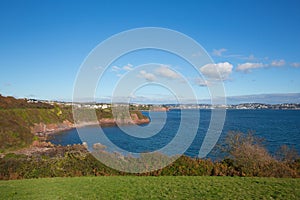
157, 107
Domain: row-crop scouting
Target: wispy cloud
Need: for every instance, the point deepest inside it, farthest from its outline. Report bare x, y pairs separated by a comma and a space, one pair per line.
128, 67
278, 63
119, 71
224, 53
219, 71
148, 76
247, 67
295, 64
219, 52
165, 71
251, 57
115, 68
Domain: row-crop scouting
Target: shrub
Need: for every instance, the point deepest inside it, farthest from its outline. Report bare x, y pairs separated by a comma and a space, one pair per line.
250, 158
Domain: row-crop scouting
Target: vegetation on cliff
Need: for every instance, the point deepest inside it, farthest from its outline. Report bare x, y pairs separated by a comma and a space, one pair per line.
244, 154
20, 119
16, 124
11, 102
69, 161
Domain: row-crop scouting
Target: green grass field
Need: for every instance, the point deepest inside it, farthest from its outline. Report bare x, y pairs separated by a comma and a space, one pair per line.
130, 187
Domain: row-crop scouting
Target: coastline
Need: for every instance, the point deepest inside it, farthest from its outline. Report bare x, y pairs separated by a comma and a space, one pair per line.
43, 130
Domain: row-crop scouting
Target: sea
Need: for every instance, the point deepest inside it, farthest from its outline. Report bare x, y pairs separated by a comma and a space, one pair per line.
274, 127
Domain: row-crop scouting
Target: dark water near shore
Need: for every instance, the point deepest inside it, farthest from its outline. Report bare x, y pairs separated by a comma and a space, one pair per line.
276, 127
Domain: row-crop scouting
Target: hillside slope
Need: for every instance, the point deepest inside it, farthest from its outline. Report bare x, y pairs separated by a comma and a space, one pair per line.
21, 122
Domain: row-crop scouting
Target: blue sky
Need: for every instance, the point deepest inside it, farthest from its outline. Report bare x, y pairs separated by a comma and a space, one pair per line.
256, 44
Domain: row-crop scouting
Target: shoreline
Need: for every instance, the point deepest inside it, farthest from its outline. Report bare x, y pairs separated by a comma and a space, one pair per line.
42, 145
106, 122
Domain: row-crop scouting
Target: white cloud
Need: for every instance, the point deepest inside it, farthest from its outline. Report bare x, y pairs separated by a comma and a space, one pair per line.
219, 52
278, 63
251, 58
115, 68
128, 67
146, 75
219, 71
167, 72
247, 67
295, 64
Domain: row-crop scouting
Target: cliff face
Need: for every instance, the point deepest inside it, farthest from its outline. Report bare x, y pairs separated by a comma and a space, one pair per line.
159, 109
134, 120
42, 129
137, 120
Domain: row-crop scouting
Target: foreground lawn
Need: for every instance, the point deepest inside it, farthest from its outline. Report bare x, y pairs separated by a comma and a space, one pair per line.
130, 187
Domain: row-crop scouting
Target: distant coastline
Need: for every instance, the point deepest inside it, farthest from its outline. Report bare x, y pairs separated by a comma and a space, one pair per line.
253, 106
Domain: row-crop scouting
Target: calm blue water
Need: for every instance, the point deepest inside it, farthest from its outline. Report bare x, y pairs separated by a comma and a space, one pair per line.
276, 127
